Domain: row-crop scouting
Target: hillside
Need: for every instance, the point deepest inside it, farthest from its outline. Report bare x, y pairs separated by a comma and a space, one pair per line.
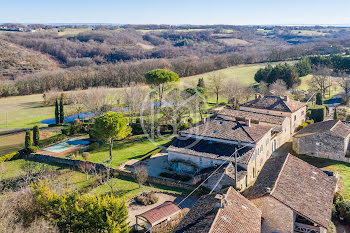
16, 60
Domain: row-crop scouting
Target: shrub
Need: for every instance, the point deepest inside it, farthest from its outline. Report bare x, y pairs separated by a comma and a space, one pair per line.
146, 198
72, 212
66, 131
317, 113
302, 125
53, 139
28, 139
36, 135
190, 121
310, 122
93, 146
86, 155
175, 176
9, 156
184, 126
319, 99
32, 149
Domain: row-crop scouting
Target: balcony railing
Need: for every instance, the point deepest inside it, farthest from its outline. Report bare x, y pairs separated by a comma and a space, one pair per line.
304, 228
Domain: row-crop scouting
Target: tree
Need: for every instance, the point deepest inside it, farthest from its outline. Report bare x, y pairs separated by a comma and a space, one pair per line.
57, 113
321, 79
134, 97
201, 83
278, 88
36, 135
86, 167
141, 174
61, 110
161, 79
28, 139
319, 98
111, 126
335, 116
217, 84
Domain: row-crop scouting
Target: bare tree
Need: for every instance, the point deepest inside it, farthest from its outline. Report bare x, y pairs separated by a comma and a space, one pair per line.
344, 83
86, 167
100, 99
321, 79
237, 93
77, 102
141, 174
217, 85
278, 88
263, 88
134, 97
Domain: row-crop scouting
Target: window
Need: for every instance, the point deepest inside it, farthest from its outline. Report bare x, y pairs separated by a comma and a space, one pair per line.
295, 118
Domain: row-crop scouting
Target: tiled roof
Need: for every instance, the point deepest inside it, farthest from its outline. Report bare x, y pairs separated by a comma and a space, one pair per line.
334, 126
237, 214
160, 213
275, 103
261, 117
222, 127
211, 149
300, 186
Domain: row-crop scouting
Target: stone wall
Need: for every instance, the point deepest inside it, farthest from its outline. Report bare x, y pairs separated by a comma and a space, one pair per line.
324, 145
277, 216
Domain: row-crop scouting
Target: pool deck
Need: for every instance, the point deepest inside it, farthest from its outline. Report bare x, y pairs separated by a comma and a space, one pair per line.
63, 153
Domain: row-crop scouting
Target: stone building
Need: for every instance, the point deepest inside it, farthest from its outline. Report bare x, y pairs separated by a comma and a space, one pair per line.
226, 211
326, 139
293, 196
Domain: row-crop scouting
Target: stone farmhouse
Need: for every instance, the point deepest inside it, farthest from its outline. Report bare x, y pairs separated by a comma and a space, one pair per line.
257, 129
293, 196
226, 211
326, 139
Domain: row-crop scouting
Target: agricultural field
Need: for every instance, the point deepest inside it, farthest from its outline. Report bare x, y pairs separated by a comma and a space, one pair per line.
73, 31
309, 33
23, 111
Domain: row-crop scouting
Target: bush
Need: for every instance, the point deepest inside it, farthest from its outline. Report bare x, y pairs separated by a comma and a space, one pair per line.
53, 139
342, 207
9, 156
175, 176
66, 131
190, 121
319, 99
28, 139
72, 212
146, 198
32, 149
310, 122
183, 126
93, 146
86, 155
302, 125
317, 113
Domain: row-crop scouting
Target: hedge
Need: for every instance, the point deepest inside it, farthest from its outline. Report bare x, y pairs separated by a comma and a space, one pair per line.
317, 113
8, 157
53, 139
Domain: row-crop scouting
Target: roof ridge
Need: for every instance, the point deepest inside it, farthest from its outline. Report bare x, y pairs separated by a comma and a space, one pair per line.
284, 102
245, 131
278, 177
334, 125
218, 212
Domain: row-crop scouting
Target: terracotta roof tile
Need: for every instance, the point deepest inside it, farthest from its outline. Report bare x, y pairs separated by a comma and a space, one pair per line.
237, 214
302, 187
160, 213
275, 103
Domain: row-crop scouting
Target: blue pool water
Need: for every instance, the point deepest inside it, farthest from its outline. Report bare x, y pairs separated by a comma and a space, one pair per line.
58, 148
69, 118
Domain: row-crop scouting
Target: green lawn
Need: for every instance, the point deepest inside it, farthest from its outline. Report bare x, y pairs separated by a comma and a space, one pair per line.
23, 111
133, 147
335, 166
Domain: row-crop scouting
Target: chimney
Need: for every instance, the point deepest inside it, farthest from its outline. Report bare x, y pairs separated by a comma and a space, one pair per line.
268, 190
286, 98
247, 122
257, 95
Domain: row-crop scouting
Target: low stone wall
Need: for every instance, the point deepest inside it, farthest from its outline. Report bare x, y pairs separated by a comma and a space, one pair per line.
75, 163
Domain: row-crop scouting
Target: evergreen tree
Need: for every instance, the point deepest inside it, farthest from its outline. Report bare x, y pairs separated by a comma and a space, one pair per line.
319, 99
28, 139
61, 110
57, 113
335, 116
36, 135
201, 83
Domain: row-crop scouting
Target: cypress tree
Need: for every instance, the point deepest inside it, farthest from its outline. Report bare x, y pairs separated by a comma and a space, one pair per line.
36, 135
28, 139
201, 83
61, 110
319, 99
335, 116
57, 113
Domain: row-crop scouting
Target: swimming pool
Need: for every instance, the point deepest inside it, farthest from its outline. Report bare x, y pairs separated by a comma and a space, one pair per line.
63, 146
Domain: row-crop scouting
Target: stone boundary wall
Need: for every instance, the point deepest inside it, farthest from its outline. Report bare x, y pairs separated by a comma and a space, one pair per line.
75, 163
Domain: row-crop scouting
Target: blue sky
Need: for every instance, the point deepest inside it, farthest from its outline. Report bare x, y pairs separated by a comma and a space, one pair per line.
177, 11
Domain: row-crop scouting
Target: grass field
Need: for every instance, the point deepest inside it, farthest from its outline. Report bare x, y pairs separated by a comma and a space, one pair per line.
330, 165
132, 148
308, 33
14, 142
73, 31
23, 111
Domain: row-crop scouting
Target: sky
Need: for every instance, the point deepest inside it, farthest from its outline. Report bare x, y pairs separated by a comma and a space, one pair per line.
200, 12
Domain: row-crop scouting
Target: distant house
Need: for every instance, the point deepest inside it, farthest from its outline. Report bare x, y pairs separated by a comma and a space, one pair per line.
326, 139
226, 211
293, 196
